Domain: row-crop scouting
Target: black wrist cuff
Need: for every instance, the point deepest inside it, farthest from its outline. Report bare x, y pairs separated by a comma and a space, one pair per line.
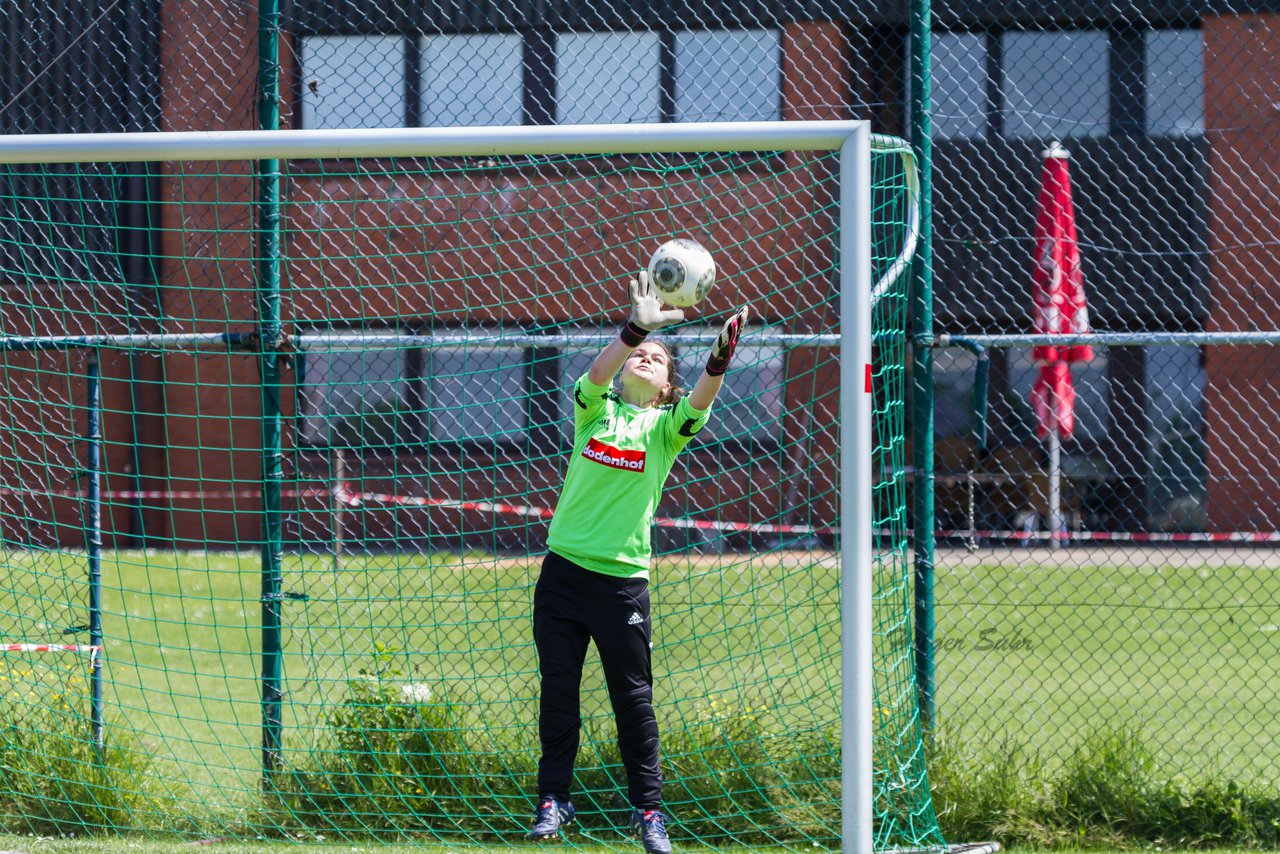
717, 366
632, 335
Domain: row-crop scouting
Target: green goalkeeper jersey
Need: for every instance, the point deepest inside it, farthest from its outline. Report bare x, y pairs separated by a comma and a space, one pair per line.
622, 455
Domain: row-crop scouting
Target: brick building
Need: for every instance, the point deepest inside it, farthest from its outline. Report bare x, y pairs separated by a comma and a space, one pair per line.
1148, 179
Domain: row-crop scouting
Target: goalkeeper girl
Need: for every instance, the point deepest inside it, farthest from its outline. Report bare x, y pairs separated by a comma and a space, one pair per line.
595, 578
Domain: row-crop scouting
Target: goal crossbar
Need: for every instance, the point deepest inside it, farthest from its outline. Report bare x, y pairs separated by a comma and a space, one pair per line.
246, 343
427, 142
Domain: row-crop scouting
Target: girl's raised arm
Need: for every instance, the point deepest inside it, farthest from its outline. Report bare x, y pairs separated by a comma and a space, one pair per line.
708, 385
647, 314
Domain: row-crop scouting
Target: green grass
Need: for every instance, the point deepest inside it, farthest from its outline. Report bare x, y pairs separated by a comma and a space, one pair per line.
183, 653
28, 845
1058, 680
1183, 647
576, 843
1108, 791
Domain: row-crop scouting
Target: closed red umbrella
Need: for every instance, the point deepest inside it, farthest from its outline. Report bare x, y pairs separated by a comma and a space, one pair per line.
1057, 288
1053, 399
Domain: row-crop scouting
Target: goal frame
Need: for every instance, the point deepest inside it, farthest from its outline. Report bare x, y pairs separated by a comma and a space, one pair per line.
851, 139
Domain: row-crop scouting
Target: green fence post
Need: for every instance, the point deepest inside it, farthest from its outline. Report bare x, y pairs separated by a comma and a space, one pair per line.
93, 547
269, 328
922, 362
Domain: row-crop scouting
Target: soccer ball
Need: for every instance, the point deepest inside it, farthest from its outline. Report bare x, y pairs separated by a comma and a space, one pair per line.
682, 272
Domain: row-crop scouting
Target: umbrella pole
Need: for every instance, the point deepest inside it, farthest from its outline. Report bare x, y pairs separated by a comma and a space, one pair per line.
1056, 526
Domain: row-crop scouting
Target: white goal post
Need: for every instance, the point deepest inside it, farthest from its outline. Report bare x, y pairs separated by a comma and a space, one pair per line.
853, 141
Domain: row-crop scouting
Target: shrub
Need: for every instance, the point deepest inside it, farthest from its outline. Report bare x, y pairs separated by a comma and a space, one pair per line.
1108, 791
54, 779
395, 759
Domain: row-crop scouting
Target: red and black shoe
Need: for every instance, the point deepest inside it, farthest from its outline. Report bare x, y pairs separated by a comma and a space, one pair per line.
552, 815
651, 827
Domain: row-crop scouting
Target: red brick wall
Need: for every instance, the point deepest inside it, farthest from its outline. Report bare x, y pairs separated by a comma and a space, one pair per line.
1242, 61
409, 272
206, 427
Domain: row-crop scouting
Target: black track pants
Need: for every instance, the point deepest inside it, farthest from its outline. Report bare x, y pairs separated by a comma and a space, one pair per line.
572, 606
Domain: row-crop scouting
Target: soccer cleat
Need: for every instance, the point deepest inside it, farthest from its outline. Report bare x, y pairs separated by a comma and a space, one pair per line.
552, 815
651, 827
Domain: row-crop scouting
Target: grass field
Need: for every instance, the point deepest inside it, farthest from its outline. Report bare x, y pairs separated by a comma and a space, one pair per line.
1038, 648
26, 845
1183, 645
735, 638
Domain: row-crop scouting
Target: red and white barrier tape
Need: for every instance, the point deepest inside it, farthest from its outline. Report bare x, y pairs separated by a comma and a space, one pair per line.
1122, 536
345, 496
167, 494
348, 498
357, 499
94, 650
50, 647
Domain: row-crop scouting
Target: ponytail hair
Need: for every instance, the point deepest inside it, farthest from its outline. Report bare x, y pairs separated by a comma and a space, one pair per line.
670, 396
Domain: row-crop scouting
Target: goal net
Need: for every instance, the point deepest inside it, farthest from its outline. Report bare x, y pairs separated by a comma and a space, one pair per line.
286, 417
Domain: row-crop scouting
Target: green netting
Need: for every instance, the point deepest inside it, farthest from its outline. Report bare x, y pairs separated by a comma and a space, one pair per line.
434, 312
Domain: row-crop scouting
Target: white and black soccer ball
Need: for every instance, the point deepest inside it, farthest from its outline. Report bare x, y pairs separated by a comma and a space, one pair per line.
682, 272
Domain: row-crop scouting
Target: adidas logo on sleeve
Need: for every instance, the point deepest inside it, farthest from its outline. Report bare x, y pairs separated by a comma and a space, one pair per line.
636, 619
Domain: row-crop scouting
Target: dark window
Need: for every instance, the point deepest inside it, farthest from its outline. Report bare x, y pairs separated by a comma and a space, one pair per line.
1175, 382
1093, 394
476, 394
954, 369
748, 407
407, 397
399, 398
355, 399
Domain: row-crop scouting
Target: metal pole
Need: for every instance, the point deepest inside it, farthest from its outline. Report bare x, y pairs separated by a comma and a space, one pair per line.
1056, 526
420, 142
93, 545
922, 452
1115, 339
337, 481
246, 343
982, 371
139, 91
269, 328
855, 493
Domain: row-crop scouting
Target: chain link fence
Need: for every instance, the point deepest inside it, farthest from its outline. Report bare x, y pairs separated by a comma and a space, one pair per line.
1154, 616
1154, 607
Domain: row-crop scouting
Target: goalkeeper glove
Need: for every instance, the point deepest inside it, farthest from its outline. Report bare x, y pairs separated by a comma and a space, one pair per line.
647, 313
726, 342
